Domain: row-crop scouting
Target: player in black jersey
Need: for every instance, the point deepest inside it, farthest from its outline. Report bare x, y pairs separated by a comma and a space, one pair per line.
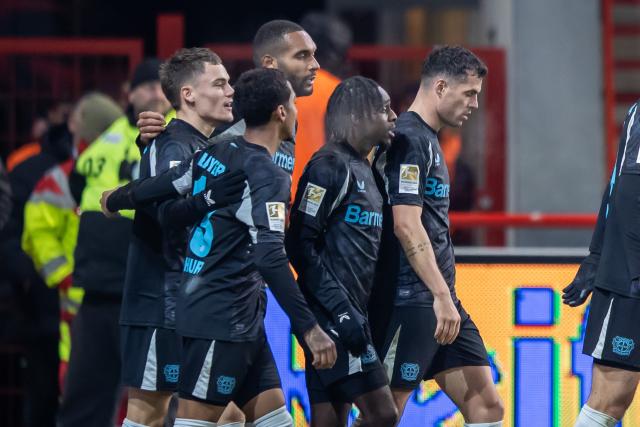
197, 85
279, 44
231, 253
612, 273
429, 334
333, 242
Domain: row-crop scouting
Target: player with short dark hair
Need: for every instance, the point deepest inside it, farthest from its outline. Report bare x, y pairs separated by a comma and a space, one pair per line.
612, 273
429, 334
333, 242
197, 85
231, 253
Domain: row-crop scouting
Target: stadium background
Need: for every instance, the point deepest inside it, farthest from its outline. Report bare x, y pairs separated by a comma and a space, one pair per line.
562, 74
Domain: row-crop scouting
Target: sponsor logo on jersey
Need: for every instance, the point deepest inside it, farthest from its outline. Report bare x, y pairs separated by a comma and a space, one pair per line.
284, 161
356, 215
171, 373
409, 177
212, 165
436, 161
436, 188
225, 385
409, 371
360, 186
276, 216
312, 199
622, 346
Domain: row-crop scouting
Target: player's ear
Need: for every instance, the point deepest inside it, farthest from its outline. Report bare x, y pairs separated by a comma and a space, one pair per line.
440, 86
280, 113
269, 61
186, 93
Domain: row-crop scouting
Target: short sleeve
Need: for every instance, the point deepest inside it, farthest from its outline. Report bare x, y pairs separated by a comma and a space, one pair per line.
324, 182
407, 164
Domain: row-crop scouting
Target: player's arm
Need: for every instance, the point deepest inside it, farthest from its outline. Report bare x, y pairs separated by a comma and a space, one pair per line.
627, 211
405, 171
577, 292
179, 212
268, 217
320, 186
177, 181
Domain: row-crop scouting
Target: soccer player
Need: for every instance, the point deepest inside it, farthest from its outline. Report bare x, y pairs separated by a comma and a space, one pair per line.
279, 44
197, 85
429, 334
333, 242
612, 273
230, 254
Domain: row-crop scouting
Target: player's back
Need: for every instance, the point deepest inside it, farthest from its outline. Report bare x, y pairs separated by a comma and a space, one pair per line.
220, 295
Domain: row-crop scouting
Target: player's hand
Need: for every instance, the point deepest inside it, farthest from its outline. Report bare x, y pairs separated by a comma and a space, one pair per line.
577, 292
103, 204
448, 320
224, 190
323, 349
151, 124
351, 331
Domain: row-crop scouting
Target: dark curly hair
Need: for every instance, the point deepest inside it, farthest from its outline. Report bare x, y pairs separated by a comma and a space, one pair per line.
258, 94
453, 61
182, 67
353, 100
269, 38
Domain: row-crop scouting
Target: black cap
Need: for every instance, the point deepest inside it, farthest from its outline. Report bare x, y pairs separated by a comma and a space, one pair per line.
146, 71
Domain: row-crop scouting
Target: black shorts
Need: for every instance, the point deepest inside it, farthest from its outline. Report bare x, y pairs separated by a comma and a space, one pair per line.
612, 331
150, 358
411, 353
218, 372
349, 378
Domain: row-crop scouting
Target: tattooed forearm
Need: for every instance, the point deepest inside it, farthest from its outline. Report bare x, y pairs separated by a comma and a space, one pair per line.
414, 249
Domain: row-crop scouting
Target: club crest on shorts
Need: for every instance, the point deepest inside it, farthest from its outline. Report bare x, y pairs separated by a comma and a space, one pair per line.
225, 385
276, 216
370, 356
171, 373
409, 177
409, 371
312, 199
622, 346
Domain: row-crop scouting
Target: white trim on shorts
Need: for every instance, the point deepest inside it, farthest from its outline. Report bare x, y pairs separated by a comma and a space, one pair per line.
597, 351
202, 385
150, 375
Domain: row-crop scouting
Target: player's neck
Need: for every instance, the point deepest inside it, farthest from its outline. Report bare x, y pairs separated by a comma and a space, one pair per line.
425, 108
362, 147
267, 136
196, 121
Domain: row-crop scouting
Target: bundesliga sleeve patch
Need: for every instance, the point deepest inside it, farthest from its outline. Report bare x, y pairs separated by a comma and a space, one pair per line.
276, 214
409, 178
173, 163
312, 199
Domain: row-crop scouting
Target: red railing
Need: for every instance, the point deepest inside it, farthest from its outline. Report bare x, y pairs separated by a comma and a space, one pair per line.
503, 220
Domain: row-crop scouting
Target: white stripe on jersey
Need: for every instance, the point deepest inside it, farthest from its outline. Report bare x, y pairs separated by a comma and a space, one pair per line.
244, 213
629, 126
152, 158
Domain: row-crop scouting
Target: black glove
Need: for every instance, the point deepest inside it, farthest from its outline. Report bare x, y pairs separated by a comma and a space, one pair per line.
350, 331
579, 290
222, 191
